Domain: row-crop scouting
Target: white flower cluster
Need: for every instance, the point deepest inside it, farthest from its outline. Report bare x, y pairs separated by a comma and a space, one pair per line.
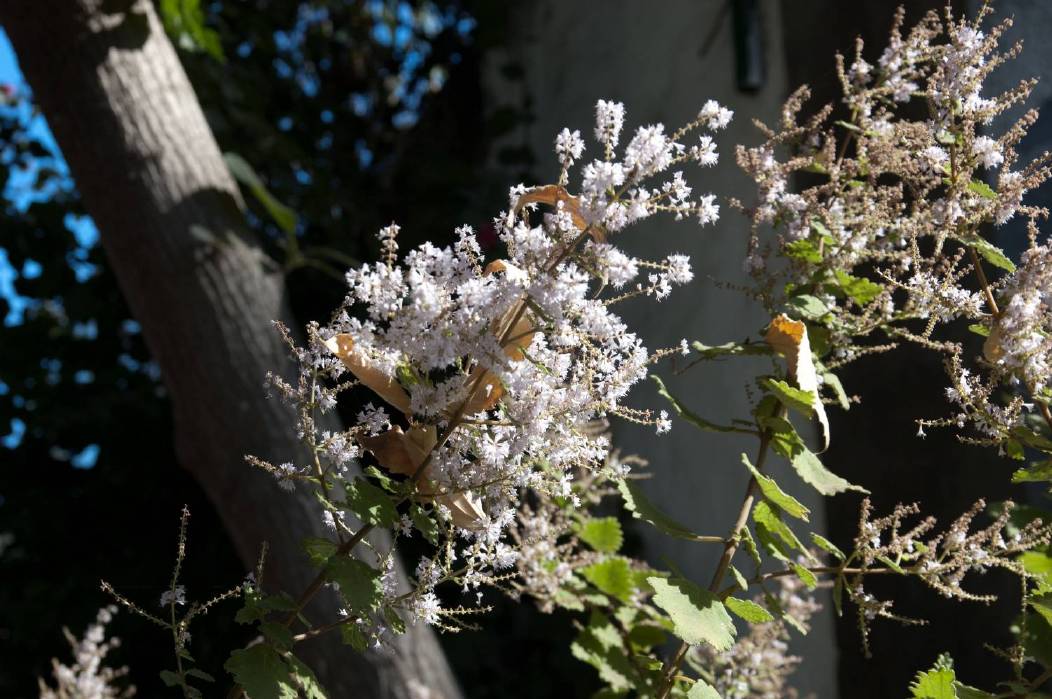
1020, 340
88, 677
491, 373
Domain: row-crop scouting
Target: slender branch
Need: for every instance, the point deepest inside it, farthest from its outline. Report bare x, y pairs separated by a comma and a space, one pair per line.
730, 547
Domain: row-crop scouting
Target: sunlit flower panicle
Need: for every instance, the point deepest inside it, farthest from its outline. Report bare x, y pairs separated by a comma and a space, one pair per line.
486, 376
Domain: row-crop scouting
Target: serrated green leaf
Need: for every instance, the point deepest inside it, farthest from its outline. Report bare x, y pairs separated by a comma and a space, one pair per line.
745, 537
394, 621
934, 684
739, 579
599, 645
982, 189
688, 415
748, 610
830, 379
892, 565
777, 538
790, 396
774, 494
184, 20
697, 615
359, 583
803, 250
319, 550
858, 289
260, 671
304, 676
827, 546
702, 690
730, 349
642, 508
806, 307
246, 175
385, 481
171, 679
602, 533
979, 329
809, 467
371, 504
806, 576
200, 674
423, 522
612, 576
353, 635
989, 252
786, 442
278, 635
646, 635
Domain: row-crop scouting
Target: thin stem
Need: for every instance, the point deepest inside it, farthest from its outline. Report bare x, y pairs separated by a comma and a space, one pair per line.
984, 282
730, 547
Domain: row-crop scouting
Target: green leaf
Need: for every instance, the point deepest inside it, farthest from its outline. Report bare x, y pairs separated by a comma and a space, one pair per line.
599, 645
353, 635
858, 289
810, 469
304, 676
934, 684
739, 579
1037, 563
830, 379
786, 442
806, 307
686, 413
394, 621
200, 674
773, 533
246, 175
790, 396
642, 508
602, 533
702, 690
979, 329
803, 250
892, 565
827, 546
185, 23
358, 581
319, 550
982, 189
612, 576
278, 635
697, 615
989, 252
748, 610
730, 349
371, 504
382, 478
423, 522
171, 679
806, 576
646, 635
770, 489
260, 671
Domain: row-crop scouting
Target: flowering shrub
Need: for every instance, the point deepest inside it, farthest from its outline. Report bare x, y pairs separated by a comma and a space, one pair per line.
489, 383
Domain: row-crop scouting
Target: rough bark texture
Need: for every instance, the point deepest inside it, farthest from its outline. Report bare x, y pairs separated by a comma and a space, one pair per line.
170, 220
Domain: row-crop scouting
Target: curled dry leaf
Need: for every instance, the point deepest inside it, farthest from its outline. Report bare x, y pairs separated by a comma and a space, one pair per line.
404, 452
385, 386
788, 337
552, 195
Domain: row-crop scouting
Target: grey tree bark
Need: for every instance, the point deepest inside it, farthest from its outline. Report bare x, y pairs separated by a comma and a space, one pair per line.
171, 221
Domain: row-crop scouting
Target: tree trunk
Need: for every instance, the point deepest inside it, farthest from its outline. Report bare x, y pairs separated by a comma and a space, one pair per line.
170, 220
